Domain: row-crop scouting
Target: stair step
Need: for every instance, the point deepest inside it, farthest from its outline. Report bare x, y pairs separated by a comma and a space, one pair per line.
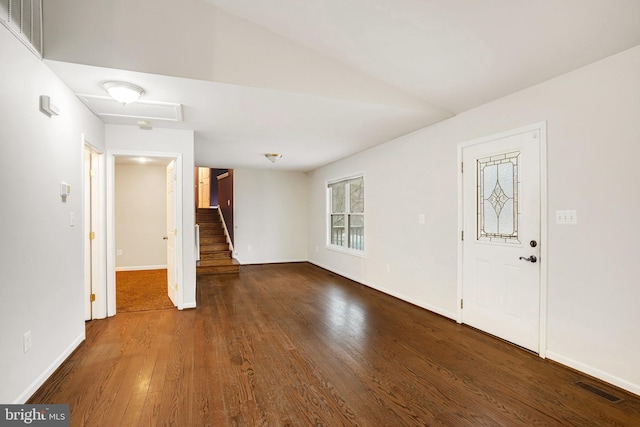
222, 266
214, 247
207, 215
210, 232
210, 225
215, 255
216, 238
208, 219
218, 262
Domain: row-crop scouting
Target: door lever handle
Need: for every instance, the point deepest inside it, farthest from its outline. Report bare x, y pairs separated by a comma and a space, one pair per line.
532, 258
165, 238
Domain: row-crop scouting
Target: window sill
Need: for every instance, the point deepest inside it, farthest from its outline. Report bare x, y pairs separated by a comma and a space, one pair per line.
346, 250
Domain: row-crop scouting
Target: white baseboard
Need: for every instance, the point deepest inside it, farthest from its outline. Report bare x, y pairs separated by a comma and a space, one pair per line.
269, 261
431, 308
594, 372
141, 267
25, 395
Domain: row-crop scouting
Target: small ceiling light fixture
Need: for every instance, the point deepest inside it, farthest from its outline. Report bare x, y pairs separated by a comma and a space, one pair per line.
123, 92
273, 157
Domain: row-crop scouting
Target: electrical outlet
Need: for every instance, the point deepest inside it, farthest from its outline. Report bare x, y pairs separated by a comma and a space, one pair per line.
421, 219
26, 341
388, 268
249, 248
119, 252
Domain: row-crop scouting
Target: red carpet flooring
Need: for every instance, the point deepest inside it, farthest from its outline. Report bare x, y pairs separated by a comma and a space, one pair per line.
141, 291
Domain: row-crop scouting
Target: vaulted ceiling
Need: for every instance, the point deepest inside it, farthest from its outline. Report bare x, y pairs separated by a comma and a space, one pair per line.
318, 80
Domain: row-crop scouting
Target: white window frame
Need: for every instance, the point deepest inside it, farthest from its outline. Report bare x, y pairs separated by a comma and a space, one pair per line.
345, 247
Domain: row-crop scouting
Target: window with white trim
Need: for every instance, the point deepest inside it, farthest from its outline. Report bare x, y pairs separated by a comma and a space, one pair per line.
346, 213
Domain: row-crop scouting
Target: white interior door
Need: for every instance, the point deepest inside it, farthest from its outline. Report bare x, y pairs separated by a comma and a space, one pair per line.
93, 236
172, 276
501, 244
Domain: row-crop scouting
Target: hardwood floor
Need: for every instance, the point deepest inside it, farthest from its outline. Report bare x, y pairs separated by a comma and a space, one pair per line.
295, 345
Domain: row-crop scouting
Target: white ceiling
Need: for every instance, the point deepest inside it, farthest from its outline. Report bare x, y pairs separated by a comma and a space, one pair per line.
455, 54
319, 80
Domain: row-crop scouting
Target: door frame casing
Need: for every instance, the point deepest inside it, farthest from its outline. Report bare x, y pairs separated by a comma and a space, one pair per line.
542, 128
111, 235
97, 261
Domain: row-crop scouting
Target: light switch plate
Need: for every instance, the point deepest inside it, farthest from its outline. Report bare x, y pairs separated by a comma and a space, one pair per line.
566, 217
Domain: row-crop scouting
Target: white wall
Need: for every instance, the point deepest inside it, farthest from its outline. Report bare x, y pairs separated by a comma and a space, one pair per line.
130, 140
270, 216
593, 133
140, 194
41, 255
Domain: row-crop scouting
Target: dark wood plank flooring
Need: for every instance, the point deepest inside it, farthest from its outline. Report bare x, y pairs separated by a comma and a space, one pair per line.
295, 345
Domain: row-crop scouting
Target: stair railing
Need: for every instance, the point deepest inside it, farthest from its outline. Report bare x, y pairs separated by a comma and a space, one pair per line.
226, 230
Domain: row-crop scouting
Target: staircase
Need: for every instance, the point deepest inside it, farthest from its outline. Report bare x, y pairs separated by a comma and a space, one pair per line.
215, 254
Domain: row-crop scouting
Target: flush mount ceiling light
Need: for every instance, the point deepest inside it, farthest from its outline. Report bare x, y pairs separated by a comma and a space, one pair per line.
273, 157
123, 92
144, 125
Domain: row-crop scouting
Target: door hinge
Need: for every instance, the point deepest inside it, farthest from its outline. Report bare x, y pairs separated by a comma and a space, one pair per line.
92, 235
92, 173
461, 304
92, 298
461, 167
461, 234
175, 231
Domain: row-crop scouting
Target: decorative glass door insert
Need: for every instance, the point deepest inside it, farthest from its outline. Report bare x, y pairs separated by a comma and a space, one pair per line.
497, 201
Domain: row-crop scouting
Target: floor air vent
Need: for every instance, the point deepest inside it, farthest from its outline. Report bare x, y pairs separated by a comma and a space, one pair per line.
595, 390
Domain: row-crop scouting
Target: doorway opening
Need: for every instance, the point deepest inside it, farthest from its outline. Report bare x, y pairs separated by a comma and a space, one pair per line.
140, 192
144, 209
207, 190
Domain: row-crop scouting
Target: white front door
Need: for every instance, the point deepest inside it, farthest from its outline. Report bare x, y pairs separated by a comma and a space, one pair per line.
172, 277
501, 241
